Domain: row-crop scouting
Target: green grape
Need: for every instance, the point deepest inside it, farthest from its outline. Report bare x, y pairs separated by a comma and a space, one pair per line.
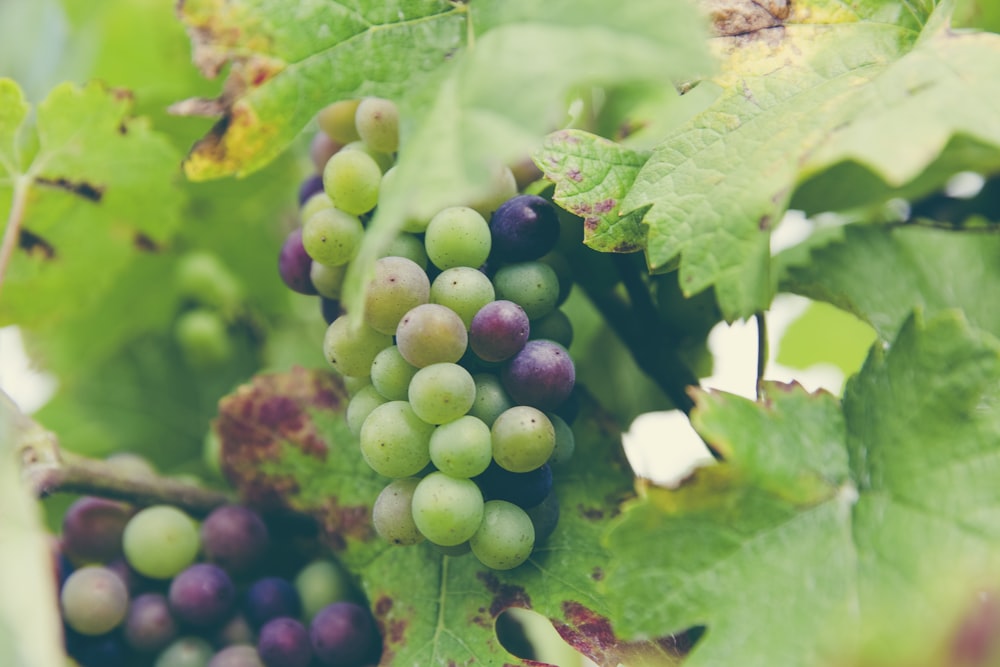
377, 122
337, 121
351, 180
531, 285
431, 333
554, 326
491, 398
318, 202
408, 246
440, 393
523, 439
505, 536
399, 284
458, 236
565, 440
351, 350
186, 652
332, 237
564, 272
160, 541
394, 441
502, 186
447, 510
202, 337
463, 289
384, 161
355, 383
327, 279
320, 583
462, 448
93, 600
391, 374
392, 513
361, 405
203, 278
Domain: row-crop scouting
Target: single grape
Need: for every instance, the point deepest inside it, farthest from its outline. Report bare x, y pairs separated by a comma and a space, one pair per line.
337, 121
202, 277
203, 339
541, 375
440, 393
409, 246
392, 513
505, 537
332, 237
532, 285
430, 334
203, 595
491, 398
284, 642
385, 161
399, 284
350, 349
351, 180
465, 290
361, 405
294, 264
394, 441
462, 448
320, 583
525, 227
447, 510
186, 652
327, 279
160, 541
499, 330
377, 122
310, 186
524, 489
565, 440
235, 538
318, 202
149, 625
93, 600
344, 635
270, 597
523, 439
237, 656
322, 148
457, 236
501, 187
391, 374
92, 529
555, 326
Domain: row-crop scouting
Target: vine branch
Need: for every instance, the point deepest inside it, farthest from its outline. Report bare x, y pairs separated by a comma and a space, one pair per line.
762, 351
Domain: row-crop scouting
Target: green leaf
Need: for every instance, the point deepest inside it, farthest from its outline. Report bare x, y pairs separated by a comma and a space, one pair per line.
87, 189
287, 62
825, 518
592, 174
824, 334
912, 267
285, 443
816, 84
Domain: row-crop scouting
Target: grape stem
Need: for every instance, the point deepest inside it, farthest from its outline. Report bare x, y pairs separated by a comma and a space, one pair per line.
12, 232
762, 351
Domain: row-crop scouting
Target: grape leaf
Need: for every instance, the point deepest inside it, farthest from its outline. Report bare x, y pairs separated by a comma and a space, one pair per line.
88, 188
285, 443
912, 266
592, 175
825, 516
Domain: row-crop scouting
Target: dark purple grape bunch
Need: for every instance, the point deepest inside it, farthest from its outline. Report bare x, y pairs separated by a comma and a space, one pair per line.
150, 587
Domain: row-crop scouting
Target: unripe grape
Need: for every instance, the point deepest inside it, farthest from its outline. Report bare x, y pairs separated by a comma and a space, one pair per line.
532, 285
337, 120
93, 600
430, 334
447, 510
377, 123
399, 284
351, 349
332, 237
394, 441
523, 439
351, 180
160, 541
505, 537
392, 513
457, 236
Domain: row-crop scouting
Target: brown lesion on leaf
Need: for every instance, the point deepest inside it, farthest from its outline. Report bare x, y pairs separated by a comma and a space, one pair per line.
144, 243
88, 191
505, 595
340, 522
593, 635
35, 245
731, 18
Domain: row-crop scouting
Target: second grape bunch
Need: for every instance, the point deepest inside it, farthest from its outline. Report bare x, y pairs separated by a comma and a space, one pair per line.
460, 377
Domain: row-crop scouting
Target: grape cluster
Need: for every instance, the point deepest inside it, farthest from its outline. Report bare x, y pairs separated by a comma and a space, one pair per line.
154, 588
459, 373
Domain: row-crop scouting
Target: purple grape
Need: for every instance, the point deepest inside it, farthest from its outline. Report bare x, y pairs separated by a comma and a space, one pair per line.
343, 634
203, 595
309, 187
524, 489
270, 598
105, 650
541, 375
235, 538
149, 626
92, 530
294, 264
524, 228
499, 330
284, 642
236, 656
